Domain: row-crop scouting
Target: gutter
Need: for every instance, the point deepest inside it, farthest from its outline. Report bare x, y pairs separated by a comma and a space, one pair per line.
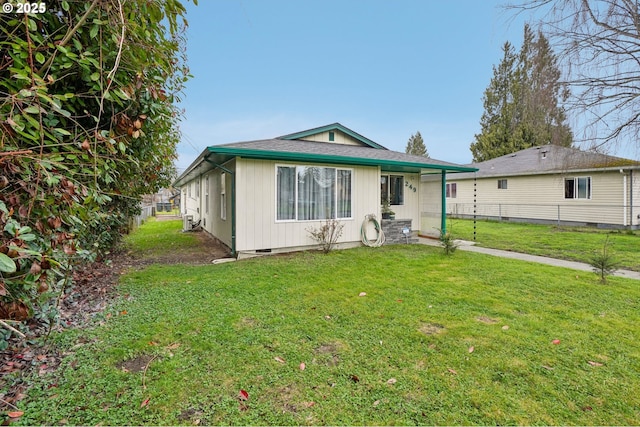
233, 200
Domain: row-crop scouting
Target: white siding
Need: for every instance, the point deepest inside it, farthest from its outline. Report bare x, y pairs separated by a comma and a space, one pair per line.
339, 138
542, 197
257, 228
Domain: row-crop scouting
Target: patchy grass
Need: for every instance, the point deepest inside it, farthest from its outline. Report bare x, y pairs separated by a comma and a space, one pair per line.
157, 237
571, 243
466, 339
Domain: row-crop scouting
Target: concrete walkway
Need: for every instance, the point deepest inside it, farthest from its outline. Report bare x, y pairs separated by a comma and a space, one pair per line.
581, 266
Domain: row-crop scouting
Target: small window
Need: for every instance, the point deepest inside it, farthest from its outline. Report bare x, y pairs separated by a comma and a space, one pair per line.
577, 188
223, 196
332, 136
206, 195
502, 184
396, 190
452, 190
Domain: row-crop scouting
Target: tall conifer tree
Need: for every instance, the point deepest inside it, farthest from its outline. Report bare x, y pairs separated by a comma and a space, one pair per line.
522, 102
415, 146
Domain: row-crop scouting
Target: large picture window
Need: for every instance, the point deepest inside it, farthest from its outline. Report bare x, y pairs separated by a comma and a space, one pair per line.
577, 188
307, 193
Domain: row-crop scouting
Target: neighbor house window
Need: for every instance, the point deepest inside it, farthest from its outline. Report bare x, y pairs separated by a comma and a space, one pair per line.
577, 188
392, 189
502, 184
452, 190
332, 136
306, 193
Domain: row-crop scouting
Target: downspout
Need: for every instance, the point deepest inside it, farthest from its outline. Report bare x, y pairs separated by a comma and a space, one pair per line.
624, 197
233, 201
631, 197
443, 212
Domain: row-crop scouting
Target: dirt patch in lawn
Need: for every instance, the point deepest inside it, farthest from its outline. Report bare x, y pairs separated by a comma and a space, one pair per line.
431, 328
137, 364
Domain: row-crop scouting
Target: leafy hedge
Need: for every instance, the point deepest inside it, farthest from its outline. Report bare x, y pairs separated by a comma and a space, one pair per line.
88, 124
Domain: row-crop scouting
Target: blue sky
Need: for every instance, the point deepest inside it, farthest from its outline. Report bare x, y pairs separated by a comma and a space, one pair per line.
383, 68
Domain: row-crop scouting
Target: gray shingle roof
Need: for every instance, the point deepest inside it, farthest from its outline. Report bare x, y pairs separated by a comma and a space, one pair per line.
328, 149
547, 159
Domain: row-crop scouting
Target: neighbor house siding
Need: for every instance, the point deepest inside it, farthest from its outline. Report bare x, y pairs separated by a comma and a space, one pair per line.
542, 197
256, 208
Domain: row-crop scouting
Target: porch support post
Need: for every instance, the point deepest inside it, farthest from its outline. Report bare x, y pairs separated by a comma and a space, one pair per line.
443, 212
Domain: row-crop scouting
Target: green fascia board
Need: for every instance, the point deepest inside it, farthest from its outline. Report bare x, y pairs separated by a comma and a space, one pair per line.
334, 126
385, 164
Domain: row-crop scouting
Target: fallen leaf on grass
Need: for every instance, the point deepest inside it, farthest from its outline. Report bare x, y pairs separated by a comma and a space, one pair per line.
548, 368
555, 342
362, 294
173, 346
354, 378
302, 366
279, 359
594, 363
308, 404
453, 371
376, 403
243, 395
145, 402
15, 414
471, 349
392, 381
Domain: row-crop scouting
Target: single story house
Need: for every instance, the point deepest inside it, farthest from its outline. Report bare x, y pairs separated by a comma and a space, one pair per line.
262, 196
548, 184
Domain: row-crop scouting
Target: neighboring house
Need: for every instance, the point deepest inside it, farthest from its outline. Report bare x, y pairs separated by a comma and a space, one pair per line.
549, 184
262, 196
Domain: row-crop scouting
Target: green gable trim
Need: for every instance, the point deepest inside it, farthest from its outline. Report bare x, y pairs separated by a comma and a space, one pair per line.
385, 164
333, 127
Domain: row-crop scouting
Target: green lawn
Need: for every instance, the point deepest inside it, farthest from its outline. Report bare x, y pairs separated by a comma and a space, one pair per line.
466, 339
571, 243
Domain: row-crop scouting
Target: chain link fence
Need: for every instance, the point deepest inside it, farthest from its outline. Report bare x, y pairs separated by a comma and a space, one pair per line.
604, 216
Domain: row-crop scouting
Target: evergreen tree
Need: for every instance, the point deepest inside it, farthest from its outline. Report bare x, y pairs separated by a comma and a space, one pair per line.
522, 102
498, 117
415, 146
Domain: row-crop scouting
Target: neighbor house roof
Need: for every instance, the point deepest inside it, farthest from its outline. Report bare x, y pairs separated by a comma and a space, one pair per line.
548, 159
288, 149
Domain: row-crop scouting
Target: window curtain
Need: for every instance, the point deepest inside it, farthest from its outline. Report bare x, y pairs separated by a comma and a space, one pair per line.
286, 192
344, 193
316, 193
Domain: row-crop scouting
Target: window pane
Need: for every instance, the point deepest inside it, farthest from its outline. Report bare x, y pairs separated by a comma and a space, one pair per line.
396, 190
569, 189
316, 193
286, 193
344, 193
583, 188
384, 189
454, 190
